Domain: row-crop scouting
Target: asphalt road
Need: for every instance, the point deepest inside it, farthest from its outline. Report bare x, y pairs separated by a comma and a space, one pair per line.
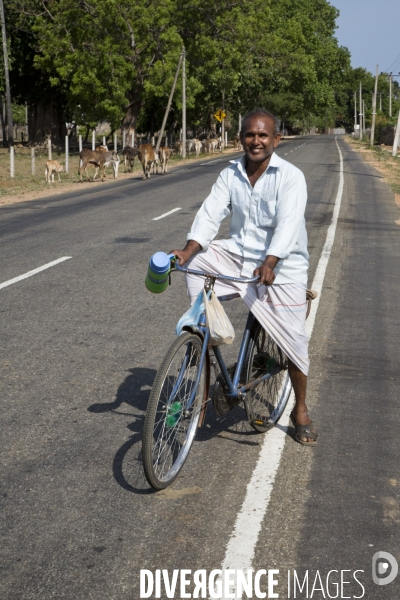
80, 346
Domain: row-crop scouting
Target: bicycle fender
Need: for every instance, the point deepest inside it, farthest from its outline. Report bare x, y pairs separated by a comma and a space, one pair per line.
207, 366
193, 329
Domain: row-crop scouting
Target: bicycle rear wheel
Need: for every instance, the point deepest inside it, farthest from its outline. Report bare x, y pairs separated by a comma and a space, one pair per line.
170, 423
265, 403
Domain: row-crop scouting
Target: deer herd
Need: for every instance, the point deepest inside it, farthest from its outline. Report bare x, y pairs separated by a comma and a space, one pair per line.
146, 153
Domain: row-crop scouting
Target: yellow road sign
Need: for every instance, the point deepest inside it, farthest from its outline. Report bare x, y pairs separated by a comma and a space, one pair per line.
220, 115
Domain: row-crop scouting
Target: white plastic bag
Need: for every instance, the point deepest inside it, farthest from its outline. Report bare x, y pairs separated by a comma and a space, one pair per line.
221, 330
191, 316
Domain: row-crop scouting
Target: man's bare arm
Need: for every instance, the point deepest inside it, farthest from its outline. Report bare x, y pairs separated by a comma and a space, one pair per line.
183, 255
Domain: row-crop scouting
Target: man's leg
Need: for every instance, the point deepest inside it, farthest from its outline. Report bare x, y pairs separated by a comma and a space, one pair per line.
300, 411
215, 259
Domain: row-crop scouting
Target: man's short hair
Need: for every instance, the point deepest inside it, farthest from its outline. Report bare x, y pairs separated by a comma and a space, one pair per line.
265, 113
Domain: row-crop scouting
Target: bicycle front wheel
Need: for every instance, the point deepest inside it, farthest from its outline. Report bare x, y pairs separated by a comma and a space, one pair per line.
265, 403
173, 411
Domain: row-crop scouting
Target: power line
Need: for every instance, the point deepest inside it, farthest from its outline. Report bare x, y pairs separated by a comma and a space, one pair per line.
393, 64
397, 66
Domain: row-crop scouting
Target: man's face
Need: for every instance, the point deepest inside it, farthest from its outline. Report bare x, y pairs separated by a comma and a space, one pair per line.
258, 138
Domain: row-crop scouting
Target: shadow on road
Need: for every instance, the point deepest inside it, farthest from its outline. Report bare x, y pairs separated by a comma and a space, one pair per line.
134, 391
127, 464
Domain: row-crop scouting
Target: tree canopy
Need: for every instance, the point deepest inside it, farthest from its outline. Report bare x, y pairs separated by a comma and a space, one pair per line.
115, 60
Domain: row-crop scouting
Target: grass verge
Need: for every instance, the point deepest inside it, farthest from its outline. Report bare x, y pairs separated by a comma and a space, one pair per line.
26, 186
381, 158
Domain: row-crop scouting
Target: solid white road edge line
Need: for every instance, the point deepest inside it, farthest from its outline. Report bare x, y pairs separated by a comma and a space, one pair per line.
34, 271
166, 214
241, 546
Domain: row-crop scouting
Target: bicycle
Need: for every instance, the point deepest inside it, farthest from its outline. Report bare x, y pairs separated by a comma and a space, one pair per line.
178, 400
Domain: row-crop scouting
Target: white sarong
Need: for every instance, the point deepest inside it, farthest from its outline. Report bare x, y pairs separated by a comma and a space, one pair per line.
280, 309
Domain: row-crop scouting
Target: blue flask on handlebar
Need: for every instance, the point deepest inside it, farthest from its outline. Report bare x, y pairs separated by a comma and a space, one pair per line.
157, 278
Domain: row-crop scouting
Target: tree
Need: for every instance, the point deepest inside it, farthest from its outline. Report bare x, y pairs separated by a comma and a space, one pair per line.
46, 103
106, 52
115, 60
280, 54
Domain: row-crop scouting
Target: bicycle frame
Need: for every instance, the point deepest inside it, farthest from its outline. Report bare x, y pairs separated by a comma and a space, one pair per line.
234, 391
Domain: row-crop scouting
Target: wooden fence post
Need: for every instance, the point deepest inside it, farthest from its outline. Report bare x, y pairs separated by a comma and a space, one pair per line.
123, 139
93, 140
104, 140
66, 154
133, 139
12, 174
115, 142
33, 161
49, 147
80, 149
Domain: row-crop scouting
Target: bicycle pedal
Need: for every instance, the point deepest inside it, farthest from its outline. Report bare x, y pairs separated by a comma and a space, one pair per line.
261, 425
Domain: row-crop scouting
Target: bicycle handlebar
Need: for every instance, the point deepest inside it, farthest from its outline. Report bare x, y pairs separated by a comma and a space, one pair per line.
177, 267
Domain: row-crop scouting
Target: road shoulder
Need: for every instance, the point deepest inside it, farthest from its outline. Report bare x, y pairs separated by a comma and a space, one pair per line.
381, 159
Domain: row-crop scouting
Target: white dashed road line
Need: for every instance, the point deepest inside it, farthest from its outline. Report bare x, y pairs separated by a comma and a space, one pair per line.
210, 161
166, 214
242, 543
34, 271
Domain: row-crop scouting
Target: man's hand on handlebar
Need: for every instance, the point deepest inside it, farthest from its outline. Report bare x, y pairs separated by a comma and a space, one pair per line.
266, 270
183, 255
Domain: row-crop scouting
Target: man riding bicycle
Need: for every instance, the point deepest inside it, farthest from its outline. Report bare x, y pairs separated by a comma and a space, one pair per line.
266, 197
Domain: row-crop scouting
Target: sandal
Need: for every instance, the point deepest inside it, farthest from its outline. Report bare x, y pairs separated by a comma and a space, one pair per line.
304, 431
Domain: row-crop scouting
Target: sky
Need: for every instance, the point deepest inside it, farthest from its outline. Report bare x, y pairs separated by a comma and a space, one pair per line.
370, 29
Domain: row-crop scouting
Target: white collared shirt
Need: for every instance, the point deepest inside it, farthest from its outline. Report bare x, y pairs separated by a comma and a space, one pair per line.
265, 220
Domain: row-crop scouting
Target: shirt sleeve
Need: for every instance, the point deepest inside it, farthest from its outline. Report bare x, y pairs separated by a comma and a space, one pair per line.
290, 208
212, 212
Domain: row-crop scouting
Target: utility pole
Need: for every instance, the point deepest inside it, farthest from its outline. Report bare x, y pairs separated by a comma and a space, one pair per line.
355, 112
183, 102
361, 115
390, 95
372, 139
364, 115
169, 104
396, 137
7, 78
